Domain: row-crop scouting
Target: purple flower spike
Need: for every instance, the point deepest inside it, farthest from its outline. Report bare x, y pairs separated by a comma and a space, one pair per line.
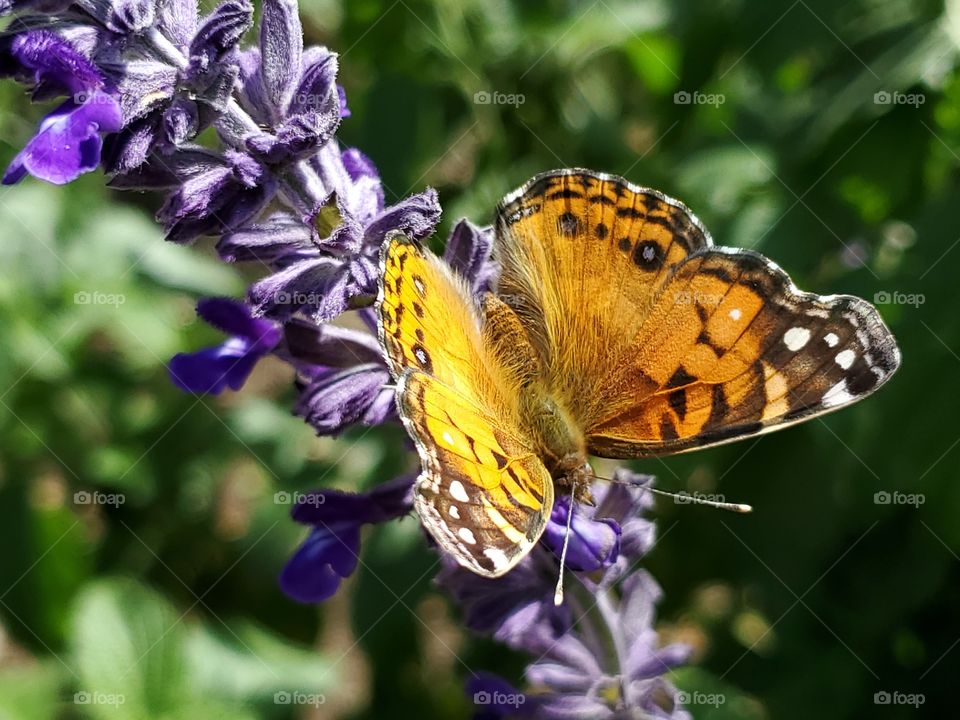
67, 143
594, 544
332, 550
229, 364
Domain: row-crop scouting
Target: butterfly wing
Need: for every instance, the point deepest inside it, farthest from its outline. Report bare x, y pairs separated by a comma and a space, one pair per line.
483, 494
731, 348
657, 341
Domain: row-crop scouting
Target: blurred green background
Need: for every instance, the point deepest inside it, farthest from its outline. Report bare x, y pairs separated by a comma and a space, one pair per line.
825, 134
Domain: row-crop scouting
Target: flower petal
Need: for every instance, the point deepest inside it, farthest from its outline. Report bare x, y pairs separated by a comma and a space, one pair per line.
334, 400
68, 142
327, 556
281, 49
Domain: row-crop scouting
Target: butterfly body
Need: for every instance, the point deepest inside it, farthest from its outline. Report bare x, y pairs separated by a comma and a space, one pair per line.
616, 329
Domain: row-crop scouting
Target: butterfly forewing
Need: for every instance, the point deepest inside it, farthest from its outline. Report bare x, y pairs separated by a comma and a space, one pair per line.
483, 494
582, 257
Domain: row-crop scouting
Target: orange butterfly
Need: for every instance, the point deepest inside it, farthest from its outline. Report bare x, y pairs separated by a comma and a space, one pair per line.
616, 329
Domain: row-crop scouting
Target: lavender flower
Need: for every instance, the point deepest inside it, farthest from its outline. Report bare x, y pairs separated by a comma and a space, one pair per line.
68, 140
332, 550
230, 364
597, 655
344, 379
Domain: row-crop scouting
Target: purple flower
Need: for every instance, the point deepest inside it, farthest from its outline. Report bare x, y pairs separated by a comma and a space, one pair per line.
593, 544
50, 64
331, 551
290, 91
229, 364
344, 380
507, 607
67, 143
216, 194
170, 98
597, 654
468, 253
578, 676
324, 286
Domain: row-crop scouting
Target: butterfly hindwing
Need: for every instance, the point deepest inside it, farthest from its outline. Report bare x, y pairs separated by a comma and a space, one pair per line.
731, 348
483, 495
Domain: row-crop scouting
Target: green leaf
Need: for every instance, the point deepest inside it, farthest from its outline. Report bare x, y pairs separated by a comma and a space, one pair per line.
244, 661
30, 692
128, 650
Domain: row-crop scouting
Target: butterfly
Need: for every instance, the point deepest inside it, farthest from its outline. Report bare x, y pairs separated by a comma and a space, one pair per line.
617, 329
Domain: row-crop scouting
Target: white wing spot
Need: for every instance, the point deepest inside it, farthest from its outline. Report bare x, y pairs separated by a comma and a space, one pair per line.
449, 438
837, 395
735, 314
467, 536
796, 337
845, 358
458, 492
497, 557
831, 339
454, 512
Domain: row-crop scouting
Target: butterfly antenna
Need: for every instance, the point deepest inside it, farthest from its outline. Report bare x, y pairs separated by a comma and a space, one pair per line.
558, 593
686, 499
